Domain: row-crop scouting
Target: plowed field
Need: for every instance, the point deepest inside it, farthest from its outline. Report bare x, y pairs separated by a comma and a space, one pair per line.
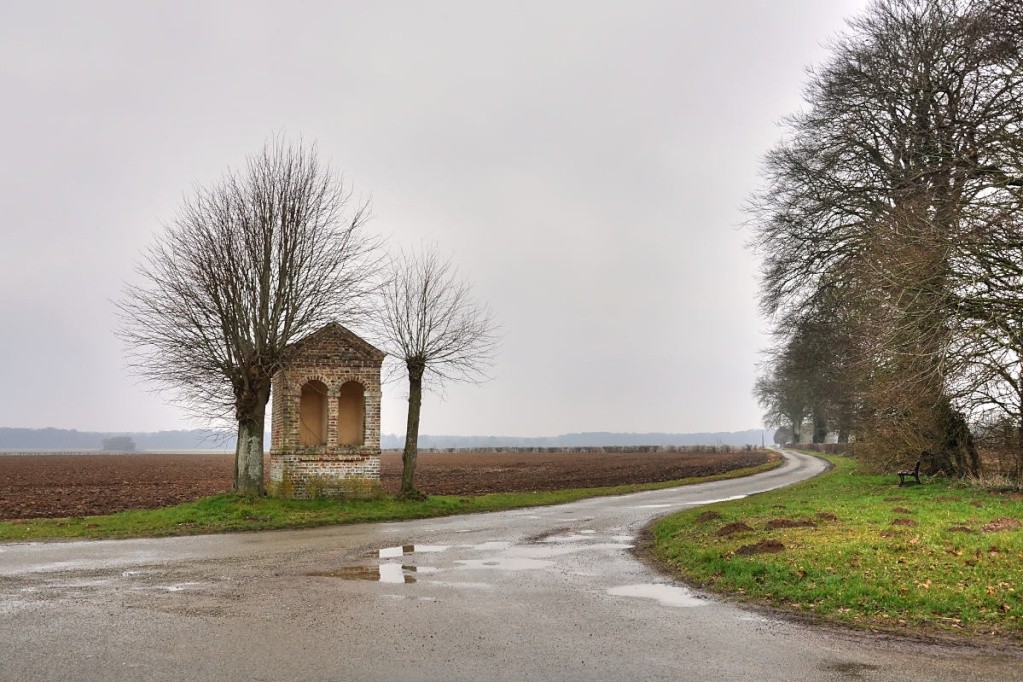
82, 485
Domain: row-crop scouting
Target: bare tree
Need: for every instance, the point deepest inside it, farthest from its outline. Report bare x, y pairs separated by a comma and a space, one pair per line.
437, 330
886, 193
784, 400
250, 264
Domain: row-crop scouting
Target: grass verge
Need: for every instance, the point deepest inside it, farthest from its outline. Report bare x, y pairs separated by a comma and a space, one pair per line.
231, 513
860, 550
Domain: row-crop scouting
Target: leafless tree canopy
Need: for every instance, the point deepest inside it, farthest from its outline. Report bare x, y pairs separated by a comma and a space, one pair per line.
249, 265
432, 324
893, 203
431, 321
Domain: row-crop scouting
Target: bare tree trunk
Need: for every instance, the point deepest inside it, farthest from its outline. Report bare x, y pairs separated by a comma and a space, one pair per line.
797, 430
408, 456
248, 455
249, 458
820, 427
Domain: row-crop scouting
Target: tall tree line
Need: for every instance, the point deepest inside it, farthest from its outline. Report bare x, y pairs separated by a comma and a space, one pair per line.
889, 226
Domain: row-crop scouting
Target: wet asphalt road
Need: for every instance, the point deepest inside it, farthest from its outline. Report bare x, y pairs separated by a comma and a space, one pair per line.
550, 593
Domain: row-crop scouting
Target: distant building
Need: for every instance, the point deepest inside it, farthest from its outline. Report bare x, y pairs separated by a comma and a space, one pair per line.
325, 423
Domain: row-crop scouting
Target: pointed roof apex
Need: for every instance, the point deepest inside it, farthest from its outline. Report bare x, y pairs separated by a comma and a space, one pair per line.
335, 337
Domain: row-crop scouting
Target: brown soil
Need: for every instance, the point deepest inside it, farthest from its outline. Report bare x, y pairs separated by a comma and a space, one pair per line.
733, 528
82, 485
826, 516
999, 525
762, 547
904, 522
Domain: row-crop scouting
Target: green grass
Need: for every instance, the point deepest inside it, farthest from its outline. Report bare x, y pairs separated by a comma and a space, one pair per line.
230, 513
942, 571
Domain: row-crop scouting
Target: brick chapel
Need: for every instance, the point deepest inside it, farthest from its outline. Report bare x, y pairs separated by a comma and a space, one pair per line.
325, 420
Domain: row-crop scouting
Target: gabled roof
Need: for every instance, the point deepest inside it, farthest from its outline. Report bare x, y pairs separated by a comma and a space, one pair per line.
335, 339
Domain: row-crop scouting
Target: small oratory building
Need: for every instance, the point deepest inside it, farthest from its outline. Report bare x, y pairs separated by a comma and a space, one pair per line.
325, 423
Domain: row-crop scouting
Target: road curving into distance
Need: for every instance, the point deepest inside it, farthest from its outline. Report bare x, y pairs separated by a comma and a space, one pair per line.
548, 593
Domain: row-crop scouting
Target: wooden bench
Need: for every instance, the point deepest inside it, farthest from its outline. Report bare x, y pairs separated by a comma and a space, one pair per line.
914, 474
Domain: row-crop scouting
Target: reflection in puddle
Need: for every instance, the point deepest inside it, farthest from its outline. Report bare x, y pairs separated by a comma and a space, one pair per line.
669, 595
395, 573
384, 573
402, 550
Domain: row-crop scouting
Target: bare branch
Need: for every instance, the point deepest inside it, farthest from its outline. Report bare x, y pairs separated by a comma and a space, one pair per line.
249, 265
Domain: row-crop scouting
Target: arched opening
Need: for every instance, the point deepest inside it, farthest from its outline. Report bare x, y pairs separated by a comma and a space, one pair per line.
312, 415
351, 414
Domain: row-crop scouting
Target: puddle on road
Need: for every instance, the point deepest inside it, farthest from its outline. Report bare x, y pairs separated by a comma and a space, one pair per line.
408, 597
668, 595
178, 587
397, 574
491, 546
505, 564
403, 550
391, 572
570, 537
384, 573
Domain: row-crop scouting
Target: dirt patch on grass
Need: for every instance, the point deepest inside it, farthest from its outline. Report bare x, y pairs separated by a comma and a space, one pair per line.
903, 522
81, 485
826, 516
762, 547
1002, 524
774, 524
901, 510
733, 528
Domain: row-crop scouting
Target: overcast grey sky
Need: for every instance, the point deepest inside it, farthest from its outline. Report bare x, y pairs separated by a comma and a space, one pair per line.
585, 162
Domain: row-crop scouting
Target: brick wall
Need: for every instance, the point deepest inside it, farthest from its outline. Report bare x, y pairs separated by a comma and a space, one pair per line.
333, 356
